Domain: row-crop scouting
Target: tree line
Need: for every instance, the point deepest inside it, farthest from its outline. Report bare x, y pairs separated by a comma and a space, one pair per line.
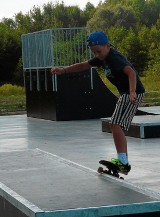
133, 27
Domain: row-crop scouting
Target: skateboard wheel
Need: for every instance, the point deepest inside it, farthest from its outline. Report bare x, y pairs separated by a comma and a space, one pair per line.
122, 178
100, 170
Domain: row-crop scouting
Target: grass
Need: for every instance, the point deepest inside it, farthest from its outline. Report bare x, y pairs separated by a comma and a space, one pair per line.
152, 84
12, 99
152, 87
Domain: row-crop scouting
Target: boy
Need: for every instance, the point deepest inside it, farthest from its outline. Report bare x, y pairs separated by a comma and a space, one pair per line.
122, 74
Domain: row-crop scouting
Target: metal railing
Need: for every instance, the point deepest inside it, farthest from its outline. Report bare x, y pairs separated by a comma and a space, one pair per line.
56, 47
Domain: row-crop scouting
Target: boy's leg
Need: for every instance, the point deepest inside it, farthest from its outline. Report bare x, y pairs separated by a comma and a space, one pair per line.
120, 143
119, 138
121, 119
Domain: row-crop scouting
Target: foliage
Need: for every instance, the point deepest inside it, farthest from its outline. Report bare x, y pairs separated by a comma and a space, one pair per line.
134, 28
132, 25
12, 98
9, 89
107, 16
10, 52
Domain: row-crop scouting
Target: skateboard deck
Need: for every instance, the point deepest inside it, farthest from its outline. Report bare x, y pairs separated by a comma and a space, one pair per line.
111, 169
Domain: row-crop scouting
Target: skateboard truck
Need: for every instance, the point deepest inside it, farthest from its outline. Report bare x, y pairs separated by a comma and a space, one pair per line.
111, 169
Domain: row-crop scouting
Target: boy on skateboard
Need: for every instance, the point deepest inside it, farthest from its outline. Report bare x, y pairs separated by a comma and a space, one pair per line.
121, 73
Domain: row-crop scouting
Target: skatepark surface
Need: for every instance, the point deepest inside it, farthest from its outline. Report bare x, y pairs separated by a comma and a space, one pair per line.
53, 165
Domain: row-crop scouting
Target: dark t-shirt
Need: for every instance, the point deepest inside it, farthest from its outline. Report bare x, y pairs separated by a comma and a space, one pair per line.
112, 67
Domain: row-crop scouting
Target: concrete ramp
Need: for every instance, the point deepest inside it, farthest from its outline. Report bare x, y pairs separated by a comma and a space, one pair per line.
40, 184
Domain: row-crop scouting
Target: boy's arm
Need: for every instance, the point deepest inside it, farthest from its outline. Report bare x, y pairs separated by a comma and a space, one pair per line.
132, 83
72, 68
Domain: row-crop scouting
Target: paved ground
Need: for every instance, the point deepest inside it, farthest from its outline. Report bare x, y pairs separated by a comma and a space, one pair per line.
82, 142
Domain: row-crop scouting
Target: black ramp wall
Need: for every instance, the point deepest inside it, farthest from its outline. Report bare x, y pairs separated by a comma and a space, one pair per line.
75, 96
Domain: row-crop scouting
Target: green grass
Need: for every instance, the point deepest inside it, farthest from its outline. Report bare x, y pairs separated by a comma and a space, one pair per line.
152, 87
12, 99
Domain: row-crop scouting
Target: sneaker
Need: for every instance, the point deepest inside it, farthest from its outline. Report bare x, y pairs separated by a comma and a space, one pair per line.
122, 167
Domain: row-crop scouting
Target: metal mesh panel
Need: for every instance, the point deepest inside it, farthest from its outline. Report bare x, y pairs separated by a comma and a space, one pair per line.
54, 47
37, 50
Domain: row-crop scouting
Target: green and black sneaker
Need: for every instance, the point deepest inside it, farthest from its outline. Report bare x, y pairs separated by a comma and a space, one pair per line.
122, 167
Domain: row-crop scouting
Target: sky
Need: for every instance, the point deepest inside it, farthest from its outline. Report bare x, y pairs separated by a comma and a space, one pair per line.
8, 8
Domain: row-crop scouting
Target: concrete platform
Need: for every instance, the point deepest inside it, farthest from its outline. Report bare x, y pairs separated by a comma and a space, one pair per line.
145, 126
151, 109
49, 168
52, 184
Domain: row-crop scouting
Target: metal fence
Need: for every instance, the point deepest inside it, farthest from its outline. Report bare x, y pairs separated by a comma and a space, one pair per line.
54, 47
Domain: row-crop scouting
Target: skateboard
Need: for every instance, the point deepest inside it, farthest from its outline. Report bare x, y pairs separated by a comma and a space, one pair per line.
111, 169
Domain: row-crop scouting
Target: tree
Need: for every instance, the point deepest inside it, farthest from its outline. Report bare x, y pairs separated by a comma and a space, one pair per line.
106, 17
146, 11
48, 15
135, 51
23, 22
116, 35
87, 13
9, 22
74, 16
37, 19
10, 52
101, 20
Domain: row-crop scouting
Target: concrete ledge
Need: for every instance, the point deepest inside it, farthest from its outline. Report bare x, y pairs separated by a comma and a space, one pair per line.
61, 188
136, 210
146, 126
14, 205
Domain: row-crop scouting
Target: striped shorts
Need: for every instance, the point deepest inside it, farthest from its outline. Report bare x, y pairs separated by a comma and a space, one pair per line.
125, 110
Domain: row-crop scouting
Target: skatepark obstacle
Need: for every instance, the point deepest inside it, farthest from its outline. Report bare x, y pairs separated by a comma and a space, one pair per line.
66, 97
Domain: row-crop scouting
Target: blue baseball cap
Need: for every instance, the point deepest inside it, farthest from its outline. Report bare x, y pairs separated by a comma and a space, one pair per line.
97, 38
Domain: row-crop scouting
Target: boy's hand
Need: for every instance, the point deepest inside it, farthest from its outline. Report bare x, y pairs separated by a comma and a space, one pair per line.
133, 97
58, 71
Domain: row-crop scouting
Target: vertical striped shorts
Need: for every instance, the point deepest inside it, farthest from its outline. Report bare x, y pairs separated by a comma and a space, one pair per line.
125, 110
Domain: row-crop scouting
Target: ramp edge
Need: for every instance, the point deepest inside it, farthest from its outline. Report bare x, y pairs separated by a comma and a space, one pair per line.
18, 201
116, 210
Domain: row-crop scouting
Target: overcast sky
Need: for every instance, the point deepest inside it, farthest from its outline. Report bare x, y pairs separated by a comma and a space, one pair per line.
8, 8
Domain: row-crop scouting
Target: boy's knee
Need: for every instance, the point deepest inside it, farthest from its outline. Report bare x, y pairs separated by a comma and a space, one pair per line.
114, 126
